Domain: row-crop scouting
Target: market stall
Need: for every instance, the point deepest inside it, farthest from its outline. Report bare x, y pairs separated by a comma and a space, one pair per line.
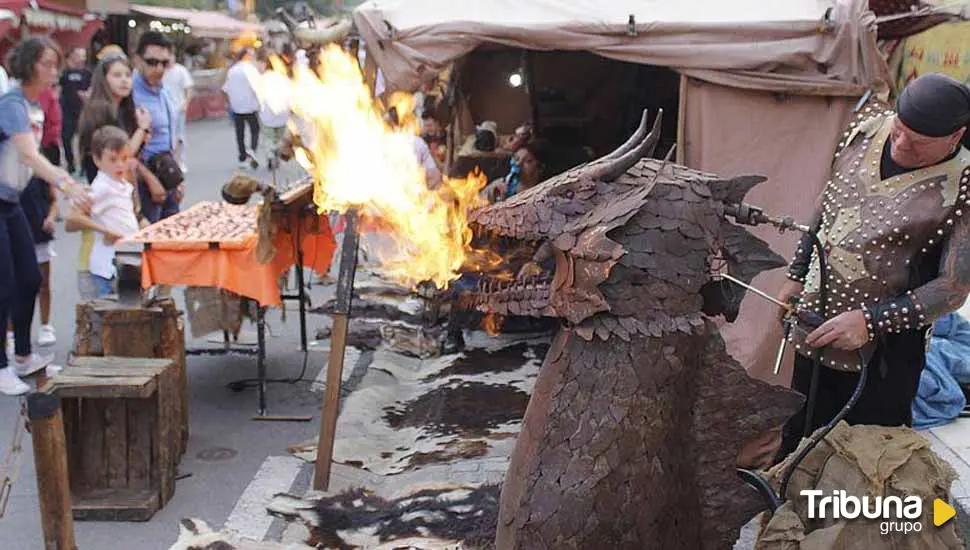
67, 25
242, 249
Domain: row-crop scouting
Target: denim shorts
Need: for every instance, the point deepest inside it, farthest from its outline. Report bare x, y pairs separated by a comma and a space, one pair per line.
91, 286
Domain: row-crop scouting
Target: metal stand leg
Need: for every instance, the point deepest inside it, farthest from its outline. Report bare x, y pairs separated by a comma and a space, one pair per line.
261, 359
301, 283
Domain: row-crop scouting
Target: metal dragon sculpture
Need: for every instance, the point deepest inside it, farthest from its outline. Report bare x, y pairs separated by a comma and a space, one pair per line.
631, 436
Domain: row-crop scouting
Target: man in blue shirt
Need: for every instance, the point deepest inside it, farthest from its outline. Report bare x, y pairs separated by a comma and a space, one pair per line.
154, 56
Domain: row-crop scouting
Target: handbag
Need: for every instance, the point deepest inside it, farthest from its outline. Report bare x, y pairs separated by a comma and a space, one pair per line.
166, 169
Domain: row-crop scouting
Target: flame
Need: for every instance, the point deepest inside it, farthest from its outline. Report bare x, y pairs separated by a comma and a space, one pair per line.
358, 160
492, 323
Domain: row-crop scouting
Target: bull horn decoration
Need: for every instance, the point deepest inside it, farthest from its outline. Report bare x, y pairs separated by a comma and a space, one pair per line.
618, 164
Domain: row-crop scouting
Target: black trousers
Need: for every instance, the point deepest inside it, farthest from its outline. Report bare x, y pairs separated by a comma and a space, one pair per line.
239, 120
887, 399
68, 129
20, 277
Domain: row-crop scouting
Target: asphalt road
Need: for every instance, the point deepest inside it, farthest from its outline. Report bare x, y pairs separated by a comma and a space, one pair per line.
226, 448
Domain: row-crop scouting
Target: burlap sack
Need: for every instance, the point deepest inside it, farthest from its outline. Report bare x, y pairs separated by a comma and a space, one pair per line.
862, 461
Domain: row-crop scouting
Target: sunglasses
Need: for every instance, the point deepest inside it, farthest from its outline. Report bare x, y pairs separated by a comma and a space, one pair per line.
152, 62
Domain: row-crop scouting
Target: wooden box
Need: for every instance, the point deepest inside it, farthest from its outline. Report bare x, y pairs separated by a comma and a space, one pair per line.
121, 427
106, 328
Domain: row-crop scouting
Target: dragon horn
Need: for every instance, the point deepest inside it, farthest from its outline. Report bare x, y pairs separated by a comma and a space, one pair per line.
614, 167
633, 140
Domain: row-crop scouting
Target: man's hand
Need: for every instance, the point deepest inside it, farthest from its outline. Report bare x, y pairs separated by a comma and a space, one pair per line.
179, 193
49, 225
846, 331
788, 290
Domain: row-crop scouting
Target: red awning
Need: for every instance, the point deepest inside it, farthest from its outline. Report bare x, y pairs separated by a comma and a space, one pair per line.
79, 38
18, 5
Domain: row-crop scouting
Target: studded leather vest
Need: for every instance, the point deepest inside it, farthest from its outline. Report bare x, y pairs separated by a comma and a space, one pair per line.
882, 237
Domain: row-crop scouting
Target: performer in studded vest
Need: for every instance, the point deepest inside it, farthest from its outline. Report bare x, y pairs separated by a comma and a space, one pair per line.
894, 222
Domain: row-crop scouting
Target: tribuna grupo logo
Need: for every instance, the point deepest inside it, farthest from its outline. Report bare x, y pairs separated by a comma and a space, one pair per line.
897, 514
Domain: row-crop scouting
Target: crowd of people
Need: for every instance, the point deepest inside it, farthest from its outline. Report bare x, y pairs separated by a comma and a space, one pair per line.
128, 117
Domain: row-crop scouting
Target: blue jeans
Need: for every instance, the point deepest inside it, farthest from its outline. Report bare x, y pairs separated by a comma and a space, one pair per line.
102, 287
20, 276
154, 212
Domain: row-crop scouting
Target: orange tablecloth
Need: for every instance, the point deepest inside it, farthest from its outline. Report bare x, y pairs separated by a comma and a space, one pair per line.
234, 267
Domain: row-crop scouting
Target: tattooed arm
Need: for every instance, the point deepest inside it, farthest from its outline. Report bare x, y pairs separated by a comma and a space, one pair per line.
927, 303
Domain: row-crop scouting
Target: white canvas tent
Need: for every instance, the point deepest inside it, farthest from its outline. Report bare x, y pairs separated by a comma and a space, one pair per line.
767, 87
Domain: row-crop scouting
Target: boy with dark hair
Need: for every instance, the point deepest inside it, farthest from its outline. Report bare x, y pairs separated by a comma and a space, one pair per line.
113, 208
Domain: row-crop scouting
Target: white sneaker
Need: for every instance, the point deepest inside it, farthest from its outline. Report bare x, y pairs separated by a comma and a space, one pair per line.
33, 364
46, 337
11, 384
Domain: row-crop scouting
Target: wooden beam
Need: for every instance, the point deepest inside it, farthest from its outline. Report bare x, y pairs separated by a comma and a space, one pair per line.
50, 460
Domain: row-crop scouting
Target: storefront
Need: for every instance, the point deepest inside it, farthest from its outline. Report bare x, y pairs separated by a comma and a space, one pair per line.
68, 22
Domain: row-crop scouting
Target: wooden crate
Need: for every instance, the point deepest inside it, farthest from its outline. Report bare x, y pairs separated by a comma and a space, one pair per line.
107, 328
121, 425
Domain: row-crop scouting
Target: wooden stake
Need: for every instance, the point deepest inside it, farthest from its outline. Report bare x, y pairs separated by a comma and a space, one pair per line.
50, 459
338, 344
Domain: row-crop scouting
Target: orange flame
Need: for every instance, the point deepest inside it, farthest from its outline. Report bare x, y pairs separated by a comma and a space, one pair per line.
492, 323
358, 160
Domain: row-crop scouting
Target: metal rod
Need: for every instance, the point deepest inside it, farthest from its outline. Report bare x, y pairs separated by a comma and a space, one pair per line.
338, 345
261, 359
300, 282
757, 291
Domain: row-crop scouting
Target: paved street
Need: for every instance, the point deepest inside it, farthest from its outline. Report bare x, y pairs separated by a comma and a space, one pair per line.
226, 449
234, 464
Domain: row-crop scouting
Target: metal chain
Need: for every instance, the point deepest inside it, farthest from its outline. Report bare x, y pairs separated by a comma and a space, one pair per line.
10, 467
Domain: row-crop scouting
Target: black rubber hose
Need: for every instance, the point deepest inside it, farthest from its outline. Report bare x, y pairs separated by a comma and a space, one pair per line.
820, 435
823, 297
762, 485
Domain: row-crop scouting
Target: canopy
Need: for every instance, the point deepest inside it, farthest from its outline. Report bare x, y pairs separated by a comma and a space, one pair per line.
208, 24
815, 47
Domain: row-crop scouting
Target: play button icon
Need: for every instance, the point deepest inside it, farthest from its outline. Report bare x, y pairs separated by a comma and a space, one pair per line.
942, 512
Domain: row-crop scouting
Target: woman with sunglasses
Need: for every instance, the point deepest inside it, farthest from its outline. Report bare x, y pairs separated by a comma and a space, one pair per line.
35, 63
110, 104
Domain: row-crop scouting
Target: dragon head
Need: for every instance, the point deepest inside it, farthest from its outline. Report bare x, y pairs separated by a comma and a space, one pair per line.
637, 242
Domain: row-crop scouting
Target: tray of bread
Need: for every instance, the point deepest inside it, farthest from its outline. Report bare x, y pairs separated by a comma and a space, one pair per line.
206, 224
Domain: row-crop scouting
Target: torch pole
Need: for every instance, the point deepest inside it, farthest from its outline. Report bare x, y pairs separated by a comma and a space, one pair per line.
338, 345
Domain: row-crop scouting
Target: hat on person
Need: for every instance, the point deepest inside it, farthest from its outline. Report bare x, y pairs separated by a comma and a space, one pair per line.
934, 105
486, 136
112, 50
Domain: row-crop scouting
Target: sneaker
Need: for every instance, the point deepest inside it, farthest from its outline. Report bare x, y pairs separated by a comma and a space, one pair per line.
33, 364
46, 337
251, 158
11, 384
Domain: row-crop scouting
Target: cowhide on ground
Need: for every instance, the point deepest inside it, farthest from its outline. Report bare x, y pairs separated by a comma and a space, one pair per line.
195, 534
407, 413
433, 517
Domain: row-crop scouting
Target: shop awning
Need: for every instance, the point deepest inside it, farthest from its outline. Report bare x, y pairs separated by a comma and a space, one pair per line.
69, 26
208, 24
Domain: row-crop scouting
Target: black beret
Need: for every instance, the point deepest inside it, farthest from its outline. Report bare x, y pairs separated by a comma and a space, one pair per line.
934, 105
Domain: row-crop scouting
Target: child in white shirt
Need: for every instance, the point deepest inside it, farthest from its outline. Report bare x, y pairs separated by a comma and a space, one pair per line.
113, 205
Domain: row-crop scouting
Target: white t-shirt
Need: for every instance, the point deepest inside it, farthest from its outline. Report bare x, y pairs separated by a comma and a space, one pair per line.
4, 81
177, 80
113, 206
275, 94
240, 86
432, 174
